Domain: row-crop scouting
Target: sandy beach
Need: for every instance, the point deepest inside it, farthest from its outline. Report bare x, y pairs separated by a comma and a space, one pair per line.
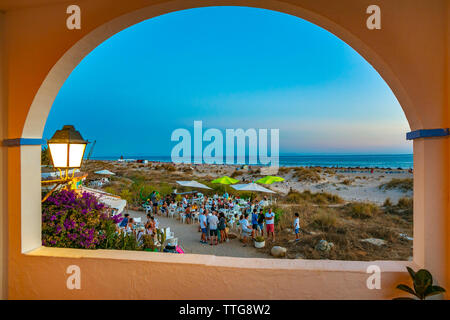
363, 185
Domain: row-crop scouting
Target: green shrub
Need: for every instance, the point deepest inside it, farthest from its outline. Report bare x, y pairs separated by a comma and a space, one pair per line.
126, 195
164, 189
259, 239
111, 190
45, 156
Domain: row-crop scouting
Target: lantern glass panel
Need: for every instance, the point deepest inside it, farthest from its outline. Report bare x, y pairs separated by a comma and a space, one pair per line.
76, 152
59, 155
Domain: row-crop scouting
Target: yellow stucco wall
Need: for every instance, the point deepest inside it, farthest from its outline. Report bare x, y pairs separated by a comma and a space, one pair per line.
3, 169
411, 54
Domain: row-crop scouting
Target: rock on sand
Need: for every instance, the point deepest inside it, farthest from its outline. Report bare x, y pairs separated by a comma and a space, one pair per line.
375, 241
278, 251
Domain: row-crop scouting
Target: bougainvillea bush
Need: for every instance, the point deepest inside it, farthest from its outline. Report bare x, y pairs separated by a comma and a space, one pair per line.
73, 220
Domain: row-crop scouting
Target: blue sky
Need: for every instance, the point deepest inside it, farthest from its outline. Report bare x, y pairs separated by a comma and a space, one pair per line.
231, 67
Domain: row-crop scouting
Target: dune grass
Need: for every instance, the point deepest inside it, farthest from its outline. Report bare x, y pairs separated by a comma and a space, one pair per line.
361, 210
320, 198
307, 174
403, 185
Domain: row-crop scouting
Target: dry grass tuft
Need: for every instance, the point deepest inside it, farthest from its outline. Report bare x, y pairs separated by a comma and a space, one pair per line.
403, 185
307, 174
362, 210
324, 220
320, 198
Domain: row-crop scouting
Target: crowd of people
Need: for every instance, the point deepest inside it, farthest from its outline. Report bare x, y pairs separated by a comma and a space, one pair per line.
215, 215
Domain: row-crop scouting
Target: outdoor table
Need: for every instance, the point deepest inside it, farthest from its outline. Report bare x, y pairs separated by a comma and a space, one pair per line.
139, 226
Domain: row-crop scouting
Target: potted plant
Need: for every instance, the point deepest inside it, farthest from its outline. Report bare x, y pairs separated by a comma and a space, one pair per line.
161, 238
259, 242
148, 242
423, 285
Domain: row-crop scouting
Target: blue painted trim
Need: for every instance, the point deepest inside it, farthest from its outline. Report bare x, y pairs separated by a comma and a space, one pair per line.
427, 133
23, 142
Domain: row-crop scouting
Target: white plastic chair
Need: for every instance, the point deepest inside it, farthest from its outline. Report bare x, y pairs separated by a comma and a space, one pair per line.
196, 217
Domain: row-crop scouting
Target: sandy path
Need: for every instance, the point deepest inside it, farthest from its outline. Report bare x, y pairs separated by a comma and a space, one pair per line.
189, 239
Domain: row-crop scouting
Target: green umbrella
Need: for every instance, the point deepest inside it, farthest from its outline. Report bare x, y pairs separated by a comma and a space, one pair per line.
225, 180
270, 179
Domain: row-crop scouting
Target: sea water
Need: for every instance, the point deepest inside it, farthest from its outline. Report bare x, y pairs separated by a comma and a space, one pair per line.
393, 161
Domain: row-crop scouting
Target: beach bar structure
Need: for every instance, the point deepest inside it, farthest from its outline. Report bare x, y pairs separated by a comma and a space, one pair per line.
410, 51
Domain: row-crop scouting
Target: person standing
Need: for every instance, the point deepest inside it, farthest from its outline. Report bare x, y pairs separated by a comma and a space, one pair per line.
221, 227
270, 223
149, 220
254, 223
213, 221
208, 216
297, 226
188, 215
202, 220
154, 201
261, 219
246, 230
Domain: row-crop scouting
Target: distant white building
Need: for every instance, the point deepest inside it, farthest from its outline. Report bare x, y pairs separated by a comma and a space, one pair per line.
99, 182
